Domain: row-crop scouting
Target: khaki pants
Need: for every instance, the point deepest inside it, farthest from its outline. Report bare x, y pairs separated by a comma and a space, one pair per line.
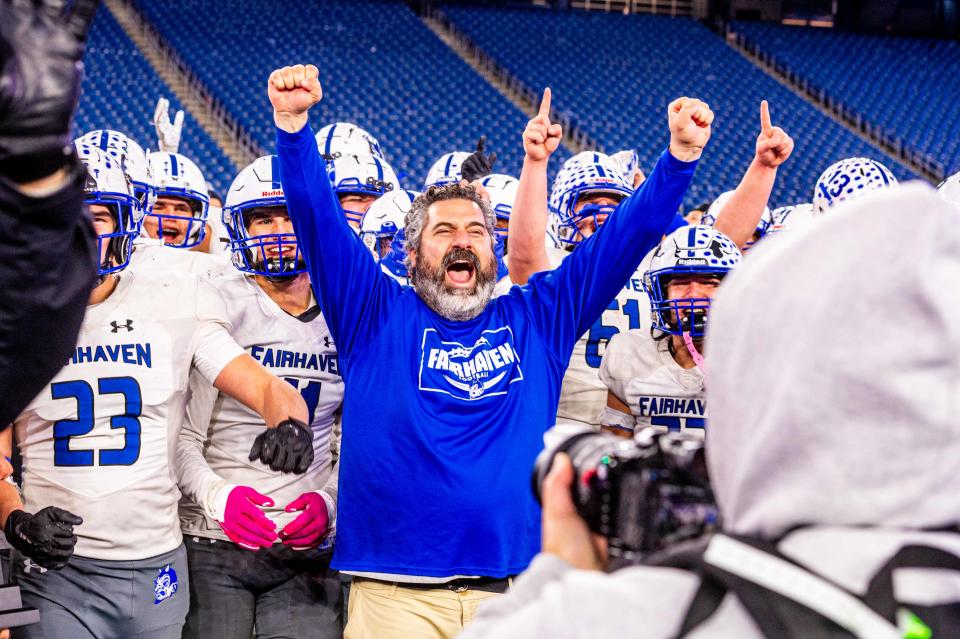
379, 610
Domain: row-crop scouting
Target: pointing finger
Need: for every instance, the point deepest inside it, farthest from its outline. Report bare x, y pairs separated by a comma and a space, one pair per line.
545, 104
481, 143
765, 126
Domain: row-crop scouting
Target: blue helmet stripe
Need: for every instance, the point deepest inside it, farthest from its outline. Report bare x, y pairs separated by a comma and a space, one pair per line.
174, 166
446, 169
379, 170
329, 140
104, 140
275, 171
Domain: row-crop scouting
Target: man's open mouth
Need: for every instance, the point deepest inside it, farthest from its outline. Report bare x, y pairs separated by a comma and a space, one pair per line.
169, 234
461, 271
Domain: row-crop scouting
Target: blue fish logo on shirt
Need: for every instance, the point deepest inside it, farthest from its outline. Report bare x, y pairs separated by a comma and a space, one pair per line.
469, 372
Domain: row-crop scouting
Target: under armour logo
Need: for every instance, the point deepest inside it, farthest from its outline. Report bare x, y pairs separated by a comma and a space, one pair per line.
327, 342
28, 564
116, 327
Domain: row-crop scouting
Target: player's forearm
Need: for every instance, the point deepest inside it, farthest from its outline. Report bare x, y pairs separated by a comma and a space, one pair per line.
528, 223
196, 479
9, 501
281, 401
743, 210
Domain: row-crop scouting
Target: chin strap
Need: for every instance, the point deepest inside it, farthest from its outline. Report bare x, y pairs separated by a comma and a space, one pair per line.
695, 354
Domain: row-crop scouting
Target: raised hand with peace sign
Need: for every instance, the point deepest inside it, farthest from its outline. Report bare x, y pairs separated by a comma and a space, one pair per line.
541, 138
774, 146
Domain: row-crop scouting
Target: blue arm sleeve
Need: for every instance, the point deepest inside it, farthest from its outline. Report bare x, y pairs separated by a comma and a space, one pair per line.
354, 294
565, 302
677, 223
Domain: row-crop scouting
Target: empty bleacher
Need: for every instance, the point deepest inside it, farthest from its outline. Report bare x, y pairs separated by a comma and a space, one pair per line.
615, 74
380, 67
906, 86
120, 91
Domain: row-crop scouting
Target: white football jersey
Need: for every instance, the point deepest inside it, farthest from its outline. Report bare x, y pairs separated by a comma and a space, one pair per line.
583, 395
214, 446
642, 373
99, 440
151, 256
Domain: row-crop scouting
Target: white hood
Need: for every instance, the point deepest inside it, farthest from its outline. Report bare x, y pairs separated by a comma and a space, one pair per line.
834, 384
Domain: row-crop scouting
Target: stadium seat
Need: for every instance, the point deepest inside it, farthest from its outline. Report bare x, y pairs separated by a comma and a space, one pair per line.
615, 74
901, 84
120, 91
380, 67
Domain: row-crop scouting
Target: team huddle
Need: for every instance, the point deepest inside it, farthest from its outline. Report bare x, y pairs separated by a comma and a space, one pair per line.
181, 472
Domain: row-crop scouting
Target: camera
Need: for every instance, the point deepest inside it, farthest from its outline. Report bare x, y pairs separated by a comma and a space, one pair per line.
642, 494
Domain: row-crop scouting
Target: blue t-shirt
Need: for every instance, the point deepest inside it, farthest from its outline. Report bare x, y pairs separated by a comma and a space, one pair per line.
442, 420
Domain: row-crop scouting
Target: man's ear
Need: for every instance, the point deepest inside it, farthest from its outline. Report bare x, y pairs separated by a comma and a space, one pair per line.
412, 254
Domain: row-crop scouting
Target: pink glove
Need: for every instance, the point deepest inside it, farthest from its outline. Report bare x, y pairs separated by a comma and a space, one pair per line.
244, 522
307, 530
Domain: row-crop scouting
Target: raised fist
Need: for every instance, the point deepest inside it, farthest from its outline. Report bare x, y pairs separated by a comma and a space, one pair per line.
690, 121
774, 146
292, 91
541, 138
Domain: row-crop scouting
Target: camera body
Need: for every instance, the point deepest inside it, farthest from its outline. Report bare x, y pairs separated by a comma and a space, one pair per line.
642, 494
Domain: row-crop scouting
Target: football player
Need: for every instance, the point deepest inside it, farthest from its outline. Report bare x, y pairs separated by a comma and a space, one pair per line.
179, 212
381, 229
148, 254
585, 192
275, 576
343, 138
358, 180
849, 179
446, 170
657, 378
98, 442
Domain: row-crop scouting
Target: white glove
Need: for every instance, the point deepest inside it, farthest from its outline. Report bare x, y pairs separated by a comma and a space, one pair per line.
168, 133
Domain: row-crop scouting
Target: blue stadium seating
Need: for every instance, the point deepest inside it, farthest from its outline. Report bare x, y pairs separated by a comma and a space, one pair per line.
120, 92
380, 66
615, 75
907, 86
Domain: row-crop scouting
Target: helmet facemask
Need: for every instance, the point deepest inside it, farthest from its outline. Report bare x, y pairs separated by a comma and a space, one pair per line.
273, 255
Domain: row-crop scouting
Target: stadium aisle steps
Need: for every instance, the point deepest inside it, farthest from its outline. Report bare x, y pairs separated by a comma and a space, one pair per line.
120, 91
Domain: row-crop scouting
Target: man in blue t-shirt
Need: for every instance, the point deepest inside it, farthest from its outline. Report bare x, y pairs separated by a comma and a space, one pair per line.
448, 391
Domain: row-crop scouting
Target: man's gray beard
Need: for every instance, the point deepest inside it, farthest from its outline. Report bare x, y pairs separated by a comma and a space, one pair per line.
457, 305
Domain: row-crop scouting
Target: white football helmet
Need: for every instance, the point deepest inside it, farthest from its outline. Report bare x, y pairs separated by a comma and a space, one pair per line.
949, 189
792, 218
847, 180
256, 188
587, 176
176, 176
696, 250
361, 175
446, 170
108, 185
343, 138
629, 163
131, 155
381, 229
716, 208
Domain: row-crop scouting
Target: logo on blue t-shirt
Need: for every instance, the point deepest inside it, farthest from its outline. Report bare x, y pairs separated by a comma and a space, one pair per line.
485, 369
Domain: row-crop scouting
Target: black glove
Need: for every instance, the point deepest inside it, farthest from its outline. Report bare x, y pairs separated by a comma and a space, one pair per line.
477, 165
287, 448
41, 45
46, 537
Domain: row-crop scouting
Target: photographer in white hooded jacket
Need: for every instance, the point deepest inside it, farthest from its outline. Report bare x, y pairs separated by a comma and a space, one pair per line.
835, 430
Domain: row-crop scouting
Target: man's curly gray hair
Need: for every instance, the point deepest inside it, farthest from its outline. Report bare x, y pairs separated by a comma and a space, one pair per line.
416, 217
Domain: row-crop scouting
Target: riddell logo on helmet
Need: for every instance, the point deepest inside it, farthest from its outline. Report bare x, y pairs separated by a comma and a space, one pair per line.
692, 261
276, 193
